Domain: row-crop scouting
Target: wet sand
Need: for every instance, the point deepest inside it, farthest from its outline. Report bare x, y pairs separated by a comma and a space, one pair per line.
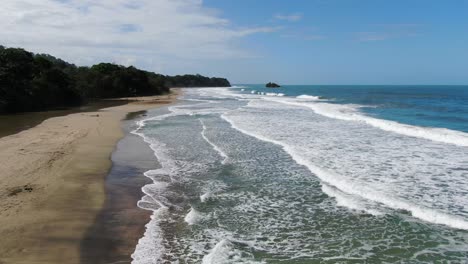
52, 183
120, 224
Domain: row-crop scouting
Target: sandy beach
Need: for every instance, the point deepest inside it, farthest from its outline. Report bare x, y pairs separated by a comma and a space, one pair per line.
52, 185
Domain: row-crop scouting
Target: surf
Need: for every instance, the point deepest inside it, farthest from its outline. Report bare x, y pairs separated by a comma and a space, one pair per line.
351, 113
215, 147
350, 188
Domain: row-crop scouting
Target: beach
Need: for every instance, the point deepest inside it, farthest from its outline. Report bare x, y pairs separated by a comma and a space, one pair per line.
53, 182
243, 174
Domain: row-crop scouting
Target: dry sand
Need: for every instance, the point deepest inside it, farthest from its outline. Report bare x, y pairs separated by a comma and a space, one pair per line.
52, 182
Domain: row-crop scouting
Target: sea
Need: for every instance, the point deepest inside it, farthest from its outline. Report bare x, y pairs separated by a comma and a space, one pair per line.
308, 174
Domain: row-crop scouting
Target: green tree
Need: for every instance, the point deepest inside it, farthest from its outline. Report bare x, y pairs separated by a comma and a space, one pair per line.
16, 73
31, 82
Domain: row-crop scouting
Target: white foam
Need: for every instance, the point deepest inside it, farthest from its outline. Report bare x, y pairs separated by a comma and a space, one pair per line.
150, 248
217, 93
219, 254
352, 188
274, 94
204, 197
225, 93
308, 97
225, 253
152, 192
211, 189
193, 217
200, 100
349, 201
351, 113
216, 148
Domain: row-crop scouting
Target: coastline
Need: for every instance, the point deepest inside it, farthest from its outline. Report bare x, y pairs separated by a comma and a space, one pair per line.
53, 181
121, 223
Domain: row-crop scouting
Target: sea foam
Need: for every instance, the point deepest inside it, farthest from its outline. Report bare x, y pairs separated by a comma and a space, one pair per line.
349, 201
204, 197
224, 252
357, 189
193, 217
215, 147
351, 113
275, 94
219, 254
308, 97
150, 247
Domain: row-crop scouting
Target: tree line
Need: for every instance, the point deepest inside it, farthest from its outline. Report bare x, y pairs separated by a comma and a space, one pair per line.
34, 82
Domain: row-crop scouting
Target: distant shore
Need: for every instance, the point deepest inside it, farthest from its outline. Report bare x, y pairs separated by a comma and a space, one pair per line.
52, 181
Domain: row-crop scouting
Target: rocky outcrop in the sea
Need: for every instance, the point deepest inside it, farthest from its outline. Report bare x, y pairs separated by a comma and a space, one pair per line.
272, 85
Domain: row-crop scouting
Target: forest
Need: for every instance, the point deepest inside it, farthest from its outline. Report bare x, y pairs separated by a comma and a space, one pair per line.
36, 82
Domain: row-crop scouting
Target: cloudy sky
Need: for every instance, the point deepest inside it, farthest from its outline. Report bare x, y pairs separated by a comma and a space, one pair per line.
296, 41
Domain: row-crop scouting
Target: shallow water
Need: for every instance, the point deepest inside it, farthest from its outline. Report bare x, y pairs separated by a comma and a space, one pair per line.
298, 178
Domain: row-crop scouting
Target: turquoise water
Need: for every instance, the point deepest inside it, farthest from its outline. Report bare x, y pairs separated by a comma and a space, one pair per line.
432, 106
308, 174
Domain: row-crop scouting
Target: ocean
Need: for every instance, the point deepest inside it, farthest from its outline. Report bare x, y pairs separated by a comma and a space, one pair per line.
308, 174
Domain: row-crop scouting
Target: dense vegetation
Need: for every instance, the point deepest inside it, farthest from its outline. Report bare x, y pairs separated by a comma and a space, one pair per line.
32, 82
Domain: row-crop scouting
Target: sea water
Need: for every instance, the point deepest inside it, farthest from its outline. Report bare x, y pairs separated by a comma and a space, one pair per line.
308, 174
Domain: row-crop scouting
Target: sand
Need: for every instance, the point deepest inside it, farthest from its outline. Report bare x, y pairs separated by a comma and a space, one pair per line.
52, 182
120, 224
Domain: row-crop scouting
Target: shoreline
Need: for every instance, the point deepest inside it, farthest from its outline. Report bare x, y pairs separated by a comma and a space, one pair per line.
121, 223
53, 181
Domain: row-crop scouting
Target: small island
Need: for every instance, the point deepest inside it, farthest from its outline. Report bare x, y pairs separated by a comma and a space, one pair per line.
272, 85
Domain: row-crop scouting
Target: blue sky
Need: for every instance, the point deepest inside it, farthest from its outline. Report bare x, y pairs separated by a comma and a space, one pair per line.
293, 42
355, 42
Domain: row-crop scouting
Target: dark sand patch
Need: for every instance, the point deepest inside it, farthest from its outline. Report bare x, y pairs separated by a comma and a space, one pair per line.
120, 224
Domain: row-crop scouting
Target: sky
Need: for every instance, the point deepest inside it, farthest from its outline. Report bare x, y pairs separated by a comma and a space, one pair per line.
253, 41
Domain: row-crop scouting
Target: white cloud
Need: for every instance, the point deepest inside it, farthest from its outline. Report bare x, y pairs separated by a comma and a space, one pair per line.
152, 33
290, 17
